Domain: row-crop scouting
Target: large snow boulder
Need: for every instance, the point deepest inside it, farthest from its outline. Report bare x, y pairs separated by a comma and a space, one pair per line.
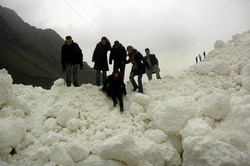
207, 151
171, 116
12, 131
219, 44
216, 105
142, 99
223, 68
157, 136
77, 151
65, 115
195, 127
6, 90
204, 68
122, 148
59, 155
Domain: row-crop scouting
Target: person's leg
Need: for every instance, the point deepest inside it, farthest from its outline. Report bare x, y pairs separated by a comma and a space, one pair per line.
149, 74
131, 78
119, 96
113, 96
75, 75
140, 83
68, 74
122, 71
98, 75
157, 72
104, 76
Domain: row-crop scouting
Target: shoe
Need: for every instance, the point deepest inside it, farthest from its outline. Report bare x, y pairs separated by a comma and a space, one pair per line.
76, 85
121, 109
114, 104
68, 85
135, 89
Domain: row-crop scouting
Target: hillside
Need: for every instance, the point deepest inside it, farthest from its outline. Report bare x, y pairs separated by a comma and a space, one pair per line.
31, 55
200, 118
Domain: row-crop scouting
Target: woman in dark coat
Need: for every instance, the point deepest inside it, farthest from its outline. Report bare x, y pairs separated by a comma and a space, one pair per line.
100, 59
115, 88
138, 67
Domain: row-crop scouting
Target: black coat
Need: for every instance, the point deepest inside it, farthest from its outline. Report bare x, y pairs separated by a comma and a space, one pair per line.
112, 85
139, 64
100, 56
118, 55
71, 54
153, 59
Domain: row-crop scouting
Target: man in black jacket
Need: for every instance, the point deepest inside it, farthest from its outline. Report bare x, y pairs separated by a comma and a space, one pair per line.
100, 59
115, 88
71, 59
138, 67
118, 55
153, 65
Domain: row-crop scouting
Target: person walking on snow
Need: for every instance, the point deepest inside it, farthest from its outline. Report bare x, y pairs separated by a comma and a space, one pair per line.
71, 59
100, 60
118, 55
199, 57
138, 67
196, 59
115, 88
153, 65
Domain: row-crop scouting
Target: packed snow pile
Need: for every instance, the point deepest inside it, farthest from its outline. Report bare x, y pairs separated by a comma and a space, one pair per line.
201, 118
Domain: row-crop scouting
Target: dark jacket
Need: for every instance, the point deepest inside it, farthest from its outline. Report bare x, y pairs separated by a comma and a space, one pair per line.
118, 55
139, 63
100, 56
153, 59
113, 84
71, 54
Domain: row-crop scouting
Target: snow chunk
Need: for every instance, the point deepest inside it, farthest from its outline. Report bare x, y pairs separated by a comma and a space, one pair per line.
223, 68
58, 83
245, 71
246, 83
59, 154
204, 68
216, 106
50, 124
136, 108
172, 115
219, 44
73, 124
12, 131
6, 90
157, 136
77, 151
122, 148
207, 151
65, 115
142, 99
195, 127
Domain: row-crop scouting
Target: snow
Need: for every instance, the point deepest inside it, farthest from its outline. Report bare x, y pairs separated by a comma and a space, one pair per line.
201, 117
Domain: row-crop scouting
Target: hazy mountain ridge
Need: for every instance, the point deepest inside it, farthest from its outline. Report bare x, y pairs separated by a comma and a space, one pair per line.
31, 55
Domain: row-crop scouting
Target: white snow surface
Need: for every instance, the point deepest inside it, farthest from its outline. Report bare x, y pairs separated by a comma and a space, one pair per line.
200, 118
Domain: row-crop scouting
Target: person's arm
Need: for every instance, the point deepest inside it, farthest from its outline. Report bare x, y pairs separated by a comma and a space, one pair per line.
124, 55
145, 63
63, 60
95, 53
111, 56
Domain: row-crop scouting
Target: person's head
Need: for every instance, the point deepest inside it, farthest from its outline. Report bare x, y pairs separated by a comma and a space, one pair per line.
130, 49
104, 40
68, 40
147, 51
116, 74
116, 44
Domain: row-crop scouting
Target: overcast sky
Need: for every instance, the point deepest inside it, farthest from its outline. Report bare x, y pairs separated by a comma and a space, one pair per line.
175, 30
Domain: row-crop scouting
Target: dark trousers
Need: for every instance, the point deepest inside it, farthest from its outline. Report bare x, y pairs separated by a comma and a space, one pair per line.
116, 94
98, 77
131, 77
120, 68
69, 69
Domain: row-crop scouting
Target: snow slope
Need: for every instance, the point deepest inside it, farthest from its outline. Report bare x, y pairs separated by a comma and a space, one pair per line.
201, 118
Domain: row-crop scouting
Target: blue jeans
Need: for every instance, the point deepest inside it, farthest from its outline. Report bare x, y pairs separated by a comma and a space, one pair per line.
131, 77
98, 77
69, 68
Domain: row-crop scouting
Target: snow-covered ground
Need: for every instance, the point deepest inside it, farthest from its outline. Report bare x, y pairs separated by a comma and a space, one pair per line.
201, 118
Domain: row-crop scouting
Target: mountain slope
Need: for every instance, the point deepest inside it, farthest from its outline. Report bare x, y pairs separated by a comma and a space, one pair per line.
31, 55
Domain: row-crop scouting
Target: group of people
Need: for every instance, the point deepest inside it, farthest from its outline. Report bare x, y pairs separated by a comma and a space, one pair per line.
199, 56
113, 85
